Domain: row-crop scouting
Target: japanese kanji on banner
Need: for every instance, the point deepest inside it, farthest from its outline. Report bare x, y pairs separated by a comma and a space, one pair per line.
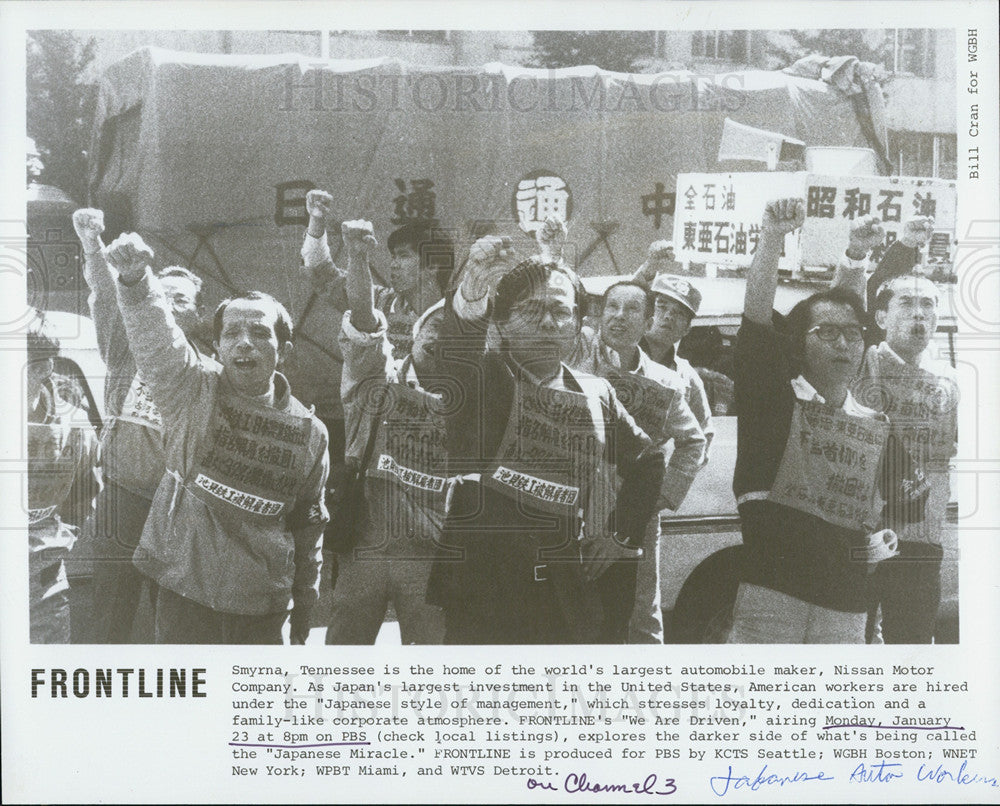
464, 151
832, 202
717, 218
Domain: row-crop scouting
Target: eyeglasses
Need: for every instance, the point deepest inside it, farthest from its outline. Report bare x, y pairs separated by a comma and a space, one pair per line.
829, 333
535, 310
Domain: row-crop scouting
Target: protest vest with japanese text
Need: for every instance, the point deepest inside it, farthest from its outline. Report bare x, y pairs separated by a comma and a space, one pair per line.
552, 455
409, 449
132, 443
255, 461
830, 466
647, 400
921, 405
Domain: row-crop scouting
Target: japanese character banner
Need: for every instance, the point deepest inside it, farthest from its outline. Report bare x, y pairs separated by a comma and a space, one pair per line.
718, 216
832, 202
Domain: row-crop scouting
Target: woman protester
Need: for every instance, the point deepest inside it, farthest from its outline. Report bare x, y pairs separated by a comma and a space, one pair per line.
819, 480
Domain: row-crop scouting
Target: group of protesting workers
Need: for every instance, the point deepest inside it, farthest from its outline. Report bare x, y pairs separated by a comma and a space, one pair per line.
496, 465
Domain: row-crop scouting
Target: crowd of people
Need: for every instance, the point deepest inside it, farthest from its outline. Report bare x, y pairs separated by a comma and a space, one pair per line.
496, 462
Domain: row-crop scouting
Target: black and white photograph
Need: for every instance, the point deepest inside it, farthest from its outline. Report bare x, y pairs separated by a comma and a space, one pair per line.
524, 337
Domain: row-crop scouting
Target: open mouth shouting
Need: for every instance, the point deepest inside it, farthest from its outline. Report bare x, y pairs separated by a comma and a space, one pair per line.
244, 363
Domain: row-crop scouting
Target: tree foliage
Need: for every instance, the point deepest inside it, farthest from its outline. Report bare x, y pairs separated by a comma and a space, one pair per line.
610, 50
867, 45
60, 107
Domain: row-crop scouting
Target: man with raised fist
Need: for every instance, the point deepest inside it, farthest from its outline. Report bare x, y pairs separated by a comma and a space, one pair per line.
553, 482
395, 429
233, 533
132, 439
675, 304
918, 391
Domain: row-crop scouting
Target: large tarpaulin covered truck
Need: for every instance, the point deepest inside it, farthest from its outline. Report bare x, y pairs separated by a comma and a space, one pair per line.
209, 158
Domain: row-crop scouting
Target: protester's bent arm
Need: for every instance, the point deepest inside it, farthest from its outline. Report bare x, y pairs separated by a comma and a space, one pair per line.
690, 444
163, 356
656, 262
368, 367
359, 238
79, 503
316, 258
866, 233
903, 486
103, 297
697, 400
901, 256
899, 259
306, 523
461, 344
642, 467
780, 218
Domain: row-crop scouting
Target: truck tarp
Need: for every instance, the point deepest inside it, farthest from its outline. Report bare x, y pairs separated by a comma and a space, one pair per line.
209, 158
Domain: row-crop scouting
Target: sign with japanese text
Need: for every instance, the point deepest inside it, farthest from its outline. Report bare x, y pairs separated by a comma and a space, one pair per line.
717, 216
409, 445
256, 458
921, 405
832, 202
539, 195
551, 451
139, 407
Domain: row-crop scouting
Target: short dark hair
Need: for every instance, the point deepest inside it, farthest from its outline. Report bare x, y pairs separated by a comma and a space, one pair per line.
650, 300
436, 250
282, 325
180, 271
522, 281
43, 343
885, 292
799, 319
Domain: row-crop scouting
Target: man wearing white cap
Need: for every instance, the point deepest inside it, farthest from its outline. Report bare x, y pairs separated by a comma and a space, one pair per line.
676, 305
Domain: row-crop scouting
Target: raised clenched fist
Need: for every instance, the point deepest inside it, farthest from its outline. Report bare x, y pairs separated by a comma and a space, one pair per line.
782, 216
551, 238
89, 224
129, 255
319, 203
660, 251
358, 235
490, 258
917, 231
867, 232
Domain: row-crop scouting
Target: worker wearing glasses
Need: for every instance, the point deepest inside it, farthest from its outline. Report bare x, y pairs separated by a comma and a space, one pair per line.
820, 482
552, 481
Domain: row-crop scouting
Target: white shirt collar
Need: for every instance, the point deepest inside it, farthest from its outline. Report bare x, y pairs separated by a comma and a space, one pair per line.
924, 362
806, 392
